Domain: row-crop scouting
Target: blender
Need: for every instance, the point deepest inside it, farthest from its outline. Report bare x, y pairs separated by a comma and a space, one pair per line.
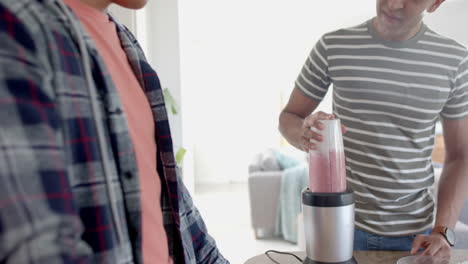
327, 205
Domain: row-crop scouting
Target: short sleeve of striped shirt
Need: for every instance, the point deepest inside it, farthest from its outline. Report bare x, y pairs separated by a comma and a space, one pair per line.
314, 79
457, 103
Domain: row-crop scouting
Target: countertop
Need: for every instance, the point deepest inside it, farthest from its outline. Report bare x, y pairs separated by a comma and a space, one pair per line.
362, 257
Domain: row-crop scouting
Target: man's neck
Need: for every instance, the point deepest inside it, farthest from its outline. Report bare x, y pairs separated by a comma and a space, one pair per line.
100, 5
401, 35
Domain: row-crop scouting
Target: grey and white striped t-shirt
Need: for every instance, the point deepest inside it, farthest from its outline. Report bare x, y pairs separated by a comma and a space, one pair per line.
389, 95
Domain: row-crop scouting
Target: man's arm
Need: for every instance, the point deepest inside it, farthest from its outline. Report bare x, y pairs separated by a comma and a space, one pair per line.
310, 88
38, 222
453, 185
292, 117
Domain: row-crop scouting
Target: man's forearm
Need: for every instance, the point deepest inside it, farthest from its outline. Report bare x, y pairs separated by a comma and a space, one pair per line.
290, 126
453, 188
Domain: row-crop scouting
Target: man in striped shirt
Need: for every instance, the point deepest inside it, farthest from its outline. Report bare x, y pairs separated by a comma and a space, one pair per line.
393, 78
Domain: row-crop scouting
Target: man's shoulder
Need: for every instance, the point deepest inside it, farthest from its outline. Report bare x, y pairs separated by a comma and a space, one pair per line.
23, 22
36, 27
440, 43
443, 40
25, 11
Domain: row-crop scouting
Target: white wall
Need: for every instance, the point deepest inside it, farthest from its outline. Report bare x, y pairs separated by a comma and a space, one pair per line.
238, 57
231, 64
451, 20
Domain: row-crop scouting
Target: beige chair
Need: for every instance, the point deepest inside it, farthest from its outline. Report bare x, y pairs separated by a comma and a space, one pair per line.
264, 187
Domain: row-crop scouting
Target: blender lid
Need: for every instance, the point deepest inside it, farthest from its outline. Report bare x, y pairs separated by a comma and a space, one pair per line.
327, 199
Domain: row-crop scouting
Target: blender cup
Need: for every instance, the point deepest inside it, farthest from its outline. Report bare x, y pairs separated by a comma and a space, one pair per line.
327, 206
327, 171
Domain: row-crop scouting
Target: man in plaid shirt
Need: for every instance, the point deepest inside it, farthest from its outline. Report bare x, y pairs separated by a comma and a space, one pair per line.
70, 183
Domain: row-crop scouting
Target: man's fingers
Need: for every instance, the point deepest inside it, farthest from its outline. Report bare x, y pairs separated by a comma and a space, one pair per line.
310, 139
314, 119
417, 244
435, 246
308, 144
431, 250
310, 134
324, 116
308, 122
311, 127
445, 251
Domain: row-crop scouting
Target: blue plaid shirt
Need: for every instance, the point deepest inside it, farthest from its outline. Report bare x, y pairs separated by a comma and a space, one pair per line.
54, 206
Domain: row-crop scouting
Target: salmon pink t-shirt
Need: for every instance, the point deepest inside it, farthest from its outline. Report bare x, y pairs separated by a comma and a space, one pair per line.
140, 123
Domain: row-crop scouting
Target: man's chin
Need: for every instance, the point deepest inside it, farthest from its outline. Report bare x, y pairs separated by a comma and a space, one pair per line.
131, 4
389, 24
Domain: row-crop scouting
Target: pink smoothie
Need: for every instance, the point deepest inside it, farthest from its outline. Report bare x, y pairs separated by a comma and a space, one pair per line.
327, 175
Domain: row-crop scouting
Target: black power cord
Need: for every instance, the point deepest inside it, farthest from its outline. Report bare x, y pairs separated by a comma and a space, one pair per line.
283, 253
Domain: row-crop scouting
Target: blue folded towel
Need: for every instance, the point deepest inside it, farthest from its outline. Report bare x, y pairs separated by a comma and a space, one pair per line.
293, 181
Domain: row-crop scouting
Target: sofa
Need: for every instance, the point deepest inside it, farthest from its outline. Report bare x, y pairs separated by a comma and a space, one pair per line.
264, 184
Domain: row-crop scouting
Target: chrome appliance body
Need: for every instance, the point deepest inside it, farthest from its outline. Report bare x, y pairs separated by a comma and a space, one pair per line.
328, 227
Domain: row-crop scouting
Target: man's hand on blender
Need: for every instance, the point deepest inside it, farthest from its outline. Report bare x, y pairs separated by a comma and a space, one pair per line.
309, 137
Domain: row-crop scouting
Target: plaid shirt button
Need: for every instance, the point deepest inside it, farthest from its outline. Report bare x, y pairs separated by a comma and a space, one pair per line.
128, 175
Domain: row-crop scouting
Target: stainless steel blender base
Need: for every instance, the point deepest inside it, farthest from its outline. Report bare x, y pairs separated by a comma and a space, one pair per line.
309, 261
